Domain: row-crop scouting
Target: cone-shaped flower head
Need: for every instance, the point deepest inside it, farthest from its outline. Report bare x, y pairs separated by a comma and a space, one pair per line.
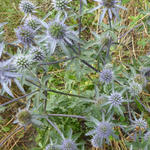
106, 76
135, 88
32, 22
139, 122
140, 79
58, 34
108, 5
37, 53
115, 99
27, 7
25, 35
68, 144
60, 5
22, 62
101, 133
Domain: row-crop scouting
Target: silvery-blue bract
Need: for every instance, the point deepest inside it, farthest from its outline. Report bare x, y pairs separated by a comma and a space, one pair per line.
57, 33
25, 35
108, 5
106, 76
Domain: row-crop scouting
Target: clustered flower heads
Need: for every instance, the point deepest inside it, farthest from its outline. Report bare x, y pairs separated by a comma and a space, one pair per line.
106, 76
109, 5
25, 35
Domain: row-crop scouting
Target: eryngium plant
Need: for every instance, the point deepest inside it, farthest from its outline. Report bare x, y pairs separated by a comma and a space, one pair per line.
102, 132
57, 33
108, 5
25, 35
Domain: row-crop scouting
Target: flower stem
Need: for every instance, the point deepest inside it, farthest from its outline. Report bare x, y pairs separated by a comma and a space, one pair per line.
64, 115
57, 129
16, 99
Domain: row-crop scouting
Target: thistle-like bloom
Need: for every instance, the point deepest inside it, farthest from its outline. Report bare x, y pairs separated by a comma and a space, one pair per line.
108, 5
24, 117
27, 7
59, 34
147, 136
139, 123
135, 88
22, 62
25, 35
101, 133
115, 100
37, 53
106, 76
68, 144
140, 79
60, 5
7, 74
32, 22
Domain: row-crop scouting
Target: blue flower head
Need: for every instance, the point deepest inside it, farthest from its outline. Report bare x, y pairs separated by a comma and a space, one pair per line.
110, 6
25, 35
106, 76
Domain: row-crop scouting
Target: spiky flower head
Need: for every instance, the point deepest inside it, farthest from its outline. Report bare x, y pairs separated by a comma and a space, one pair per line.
25, 35
108, 5
27, 7
32, 22
22, 62
104, 129
147, 136
58, 34
106, 76
140, 79
57, 30
60, 5
68, 144
135, 88
102, 132
139, 123
115, 99
24, 117
37, 53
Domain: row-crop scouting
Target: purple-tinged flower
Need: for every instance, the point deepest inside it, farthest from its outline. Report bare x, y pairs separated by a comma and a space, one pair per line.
27, 7
60, 5
58, 34
37, 53
101, 132
25, 35
139, 123
108, 5
32, 22
106, 76
68, 144
115, 100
